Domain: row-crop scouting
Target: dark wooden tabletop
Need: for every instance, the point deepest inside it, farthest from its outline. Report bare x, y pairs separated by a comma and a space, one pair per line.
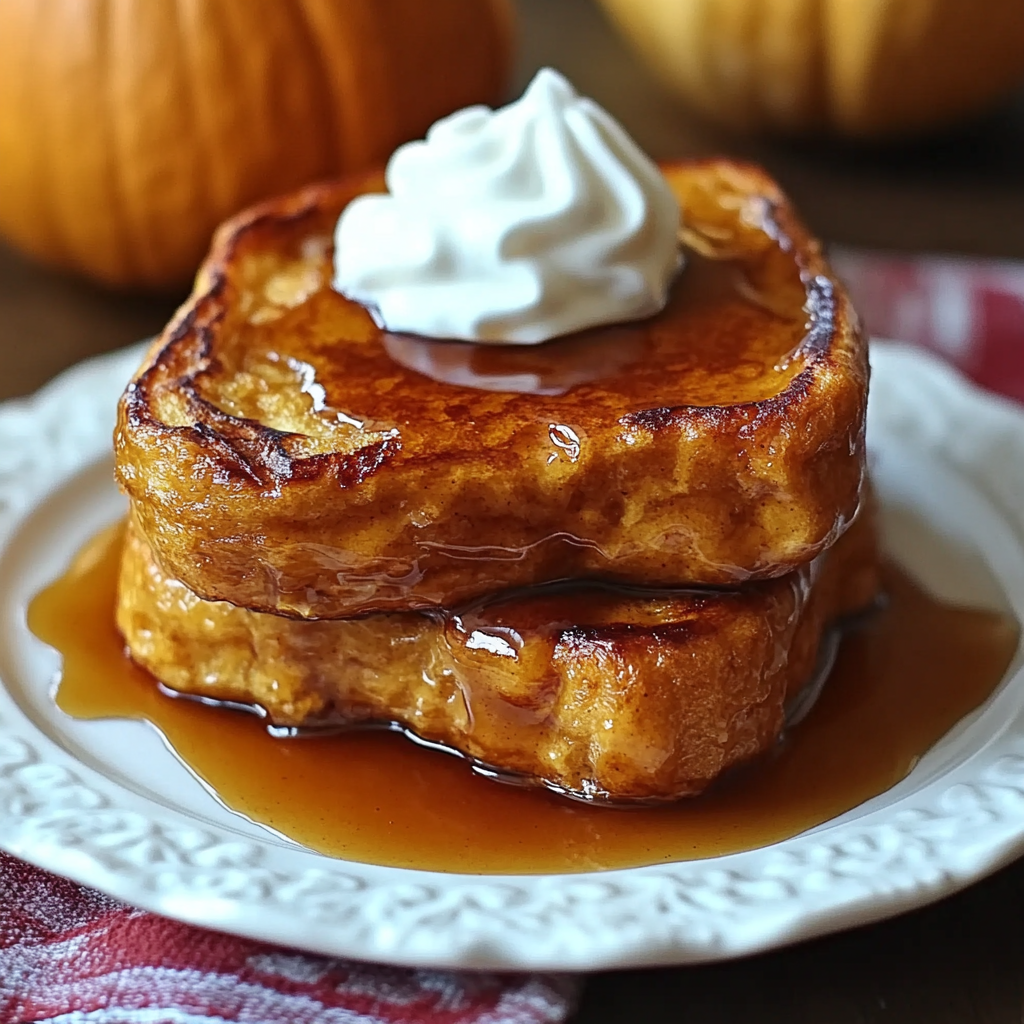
960, 961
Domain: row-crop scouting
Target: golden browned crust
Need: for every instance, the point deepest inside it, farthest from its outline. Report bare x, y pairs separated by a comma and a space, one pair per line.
719, 442
602, 693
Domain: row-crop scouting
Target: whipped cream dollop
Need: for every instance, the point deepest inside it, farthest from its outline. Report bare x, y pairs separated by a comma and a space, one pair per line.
513, 226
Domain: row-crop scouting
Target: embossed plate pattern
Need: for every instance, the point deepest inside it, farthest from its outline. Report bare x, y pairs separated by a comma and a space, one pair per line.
105, 802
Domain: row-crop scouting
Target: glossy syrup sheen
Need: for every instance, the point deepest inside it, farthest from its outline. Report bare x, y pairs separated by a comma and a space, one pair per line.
727, 336
900, 682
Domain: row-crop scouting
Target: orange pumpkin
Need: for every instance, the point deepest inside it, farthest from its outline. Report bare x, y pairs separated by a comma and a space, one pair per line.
130, 128
862, 68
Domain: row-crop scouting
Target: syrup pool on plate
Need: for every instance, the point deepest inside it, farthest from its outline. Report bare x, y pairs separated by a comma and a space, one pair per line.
900, 682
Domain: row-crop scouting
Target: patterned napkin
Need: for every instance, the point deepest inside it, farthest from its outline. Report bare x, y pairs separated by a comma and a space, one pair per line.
69, 955
72, 956
969, 311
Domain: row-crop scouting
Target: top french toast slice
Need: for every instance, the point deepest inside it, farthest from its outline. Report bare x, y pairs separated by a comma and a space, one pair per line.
283, 453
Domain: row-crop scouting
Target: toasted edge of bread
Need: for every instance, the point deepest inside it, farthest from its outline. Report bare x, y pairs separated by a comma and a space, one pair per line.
623, 695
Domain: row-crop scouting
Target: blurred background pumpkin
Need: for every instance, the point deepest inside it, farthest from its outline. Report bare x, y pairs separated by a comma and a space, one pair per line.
858, 68
130, 128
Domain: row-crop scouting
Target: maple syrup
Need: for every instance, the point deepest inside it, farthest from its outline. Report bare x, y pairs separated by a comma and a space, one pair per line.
899, 683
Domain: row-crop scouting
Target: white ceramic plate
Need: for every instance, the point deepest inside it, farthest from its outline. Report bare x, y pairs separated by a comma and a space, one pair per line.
107, 804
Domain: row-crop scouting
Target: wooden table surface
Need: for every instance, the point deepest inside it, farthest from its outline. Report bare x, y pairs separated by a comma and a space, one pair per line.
960, 961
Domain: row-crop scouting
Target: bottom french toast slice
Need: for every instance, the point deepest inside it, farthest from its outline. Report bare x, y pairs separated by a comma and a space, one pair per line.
600, 693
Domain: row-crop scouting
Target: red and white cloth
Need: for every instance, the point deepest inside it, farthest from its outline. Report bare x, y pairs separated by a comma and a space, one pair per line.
971, 312
72, 956
69, 955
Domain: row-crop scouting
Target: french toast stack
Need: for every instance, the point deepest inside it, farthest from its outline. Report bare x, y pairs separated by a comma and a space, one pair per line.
606, 564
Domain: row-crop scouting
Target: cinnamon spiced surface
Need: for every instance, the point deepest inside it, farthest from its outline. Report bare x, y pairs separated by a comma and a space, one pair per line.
283, 453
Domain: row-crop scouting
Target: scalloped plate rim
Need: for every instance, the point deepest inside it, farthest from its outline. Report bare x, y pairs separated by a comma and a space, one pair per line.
689, 912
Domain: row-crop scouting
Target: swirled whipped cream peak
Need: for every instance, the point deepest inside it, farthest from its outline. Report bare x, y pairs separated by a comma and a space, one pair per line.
513, 226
